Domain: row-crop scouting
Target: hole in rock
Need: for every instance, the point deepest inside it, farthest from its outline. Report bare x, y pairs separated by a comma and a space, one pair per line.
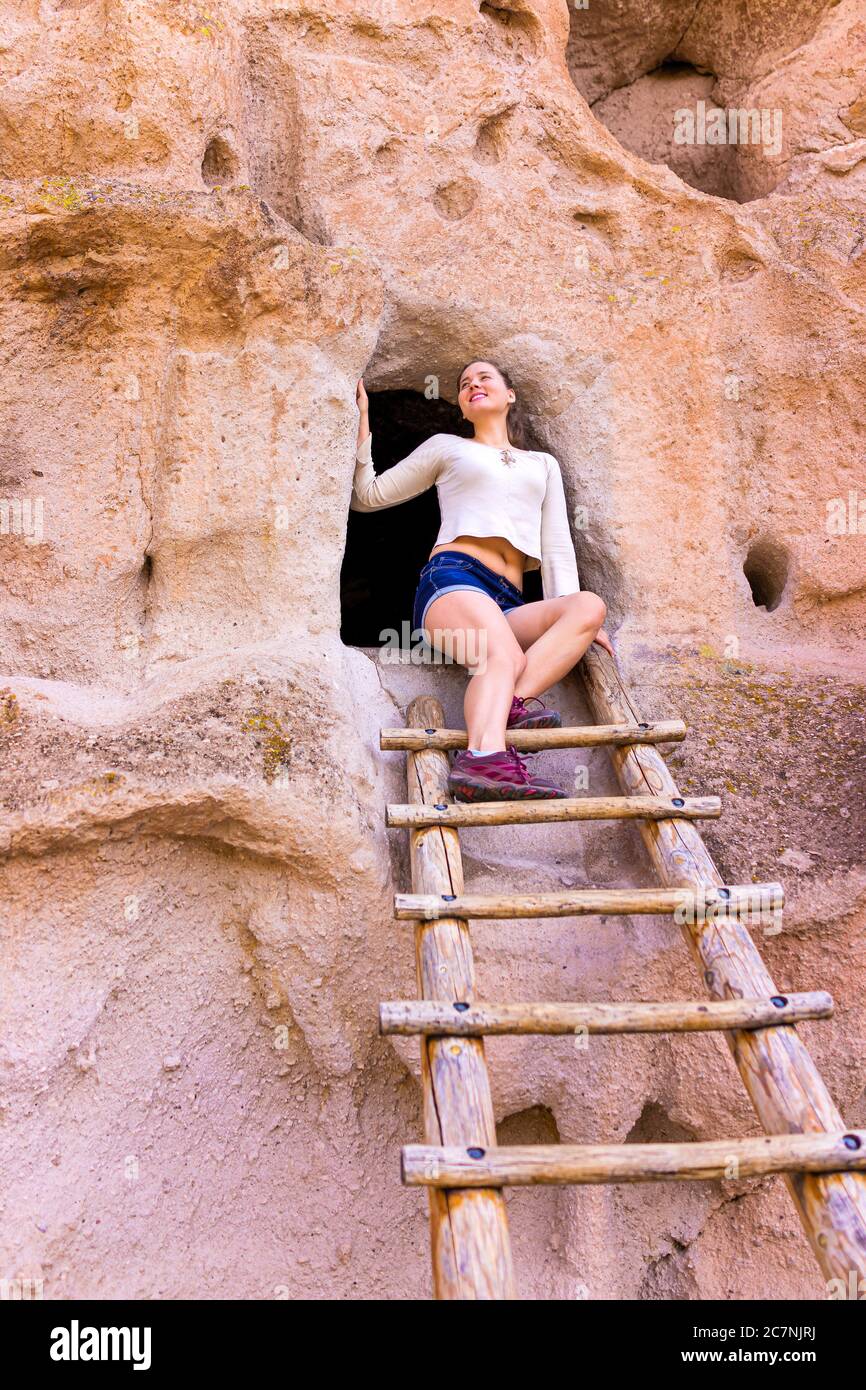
513, 21
387, 549
491, 141
665, 117
455, 199
145, 580
688, 85
766, 568
655, 1126
219, 165
536, 1125
519, 28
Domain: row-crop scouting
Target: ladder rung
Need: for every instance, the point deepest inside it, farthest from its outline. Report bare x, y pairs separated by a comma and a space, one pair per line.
425, 1165
433, 1016
558, 809
713, 904
412, 740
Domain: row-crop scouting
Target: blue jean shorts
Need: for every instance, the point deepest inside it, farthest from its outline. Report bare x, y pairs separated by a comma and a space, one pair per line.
452, 569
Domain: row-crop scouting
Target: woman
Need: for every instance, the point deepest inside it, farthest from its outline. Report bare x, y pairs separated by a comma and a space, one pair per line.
503, 511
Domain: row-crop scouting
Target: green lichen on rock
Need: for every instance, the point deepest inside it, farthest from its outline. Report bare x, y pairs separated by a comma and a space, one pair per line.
277, 746
61, 192
10, 710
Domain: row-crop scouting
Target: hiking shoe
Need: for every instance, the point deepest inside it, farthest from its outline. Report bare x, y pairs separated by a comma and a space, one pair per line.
522, 718
497, 777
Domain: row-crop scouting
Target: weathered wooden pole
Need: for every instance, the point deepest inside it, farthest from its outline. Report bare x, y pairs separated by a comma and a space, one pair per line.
471, 1247
755, 900
530, 1164
564, 808
674, 1016
531, 740
784, 1085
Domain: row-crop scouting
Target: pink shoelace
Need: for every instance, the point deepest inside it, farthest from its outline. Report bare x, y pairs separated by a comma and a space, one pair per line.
523, 704
517, 760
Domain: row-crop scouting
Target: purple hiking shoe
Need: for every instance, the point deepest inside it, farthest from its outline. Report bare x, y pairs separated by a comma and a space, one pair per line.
497, 777
522, 718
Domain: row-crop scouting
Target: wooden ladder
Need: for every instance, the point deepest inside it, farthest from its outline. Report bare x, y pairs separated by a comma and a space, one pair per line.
460, 1164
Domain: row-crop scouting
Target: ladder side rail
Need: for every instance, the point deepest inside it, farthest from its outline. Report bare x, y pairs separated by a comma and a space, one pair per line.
470, 1240
785, 1087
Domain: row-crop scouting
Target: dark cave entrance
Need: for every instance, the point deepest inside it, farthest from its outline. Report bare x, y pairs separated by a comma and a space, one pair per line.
766, 568
386, 549
677, 86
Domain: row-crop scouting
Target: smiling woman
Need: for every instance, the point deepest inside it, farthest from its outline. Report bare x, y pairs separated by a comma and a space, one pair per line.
503, 512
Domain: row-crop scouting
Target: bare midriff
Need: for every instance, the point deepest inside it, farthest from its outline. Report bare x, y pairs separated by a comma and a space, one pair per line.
494, 551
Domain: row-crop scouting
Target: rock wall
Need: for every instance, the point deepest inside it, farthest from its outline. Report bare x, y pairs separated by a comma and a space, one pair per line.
213, 220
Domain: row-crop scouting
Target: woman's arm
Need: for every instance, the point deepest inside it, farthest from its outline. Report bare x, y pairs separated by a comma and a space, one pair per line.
558, 564
363, 412
411, 476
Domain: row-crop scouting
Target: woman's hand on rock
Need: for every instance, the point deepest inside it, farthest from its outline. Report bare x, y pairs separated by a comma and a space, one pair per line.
361, 397
603, 640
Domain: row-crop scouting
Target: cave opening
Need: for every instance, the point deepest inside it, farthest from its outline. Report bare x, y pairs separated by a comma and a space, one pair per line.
675, 89
219, 164
766, 569
386, 549
662, 117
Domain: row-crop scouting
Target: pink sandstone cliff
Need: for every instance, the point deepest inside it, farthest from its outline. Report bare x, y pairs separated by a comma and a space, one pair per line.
213, 219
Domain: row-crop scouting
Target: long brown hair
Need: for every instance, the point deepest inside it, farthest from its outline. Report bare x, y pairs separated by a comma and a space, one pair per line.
516, 424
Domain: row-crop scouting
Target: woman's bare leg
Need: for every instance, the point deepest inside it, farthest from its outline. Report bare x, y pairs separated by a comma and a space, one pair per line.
554, 633
468, 626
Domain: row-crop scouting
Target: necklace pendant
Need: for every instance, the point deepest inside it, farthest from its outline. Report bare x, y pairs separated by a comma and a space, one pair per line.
507, 457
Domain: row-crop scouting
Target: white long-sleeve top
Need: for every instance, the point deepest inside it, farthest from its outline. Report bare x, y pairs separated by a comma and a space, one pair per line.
479, 495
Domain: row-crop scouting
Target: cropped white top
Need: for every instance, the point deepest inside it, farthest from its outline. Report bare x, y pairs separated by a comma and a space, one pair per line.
480, 495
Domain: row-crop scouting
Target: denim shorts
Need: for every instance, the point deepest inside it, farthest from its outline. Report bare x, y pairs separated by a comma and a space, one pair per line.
452, 569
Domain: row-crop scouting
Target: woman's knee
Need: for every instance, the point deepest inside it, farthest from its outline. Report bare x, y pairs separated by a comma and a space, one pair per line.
589, 610
599, 610
507, 657
518, 662
511, 656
